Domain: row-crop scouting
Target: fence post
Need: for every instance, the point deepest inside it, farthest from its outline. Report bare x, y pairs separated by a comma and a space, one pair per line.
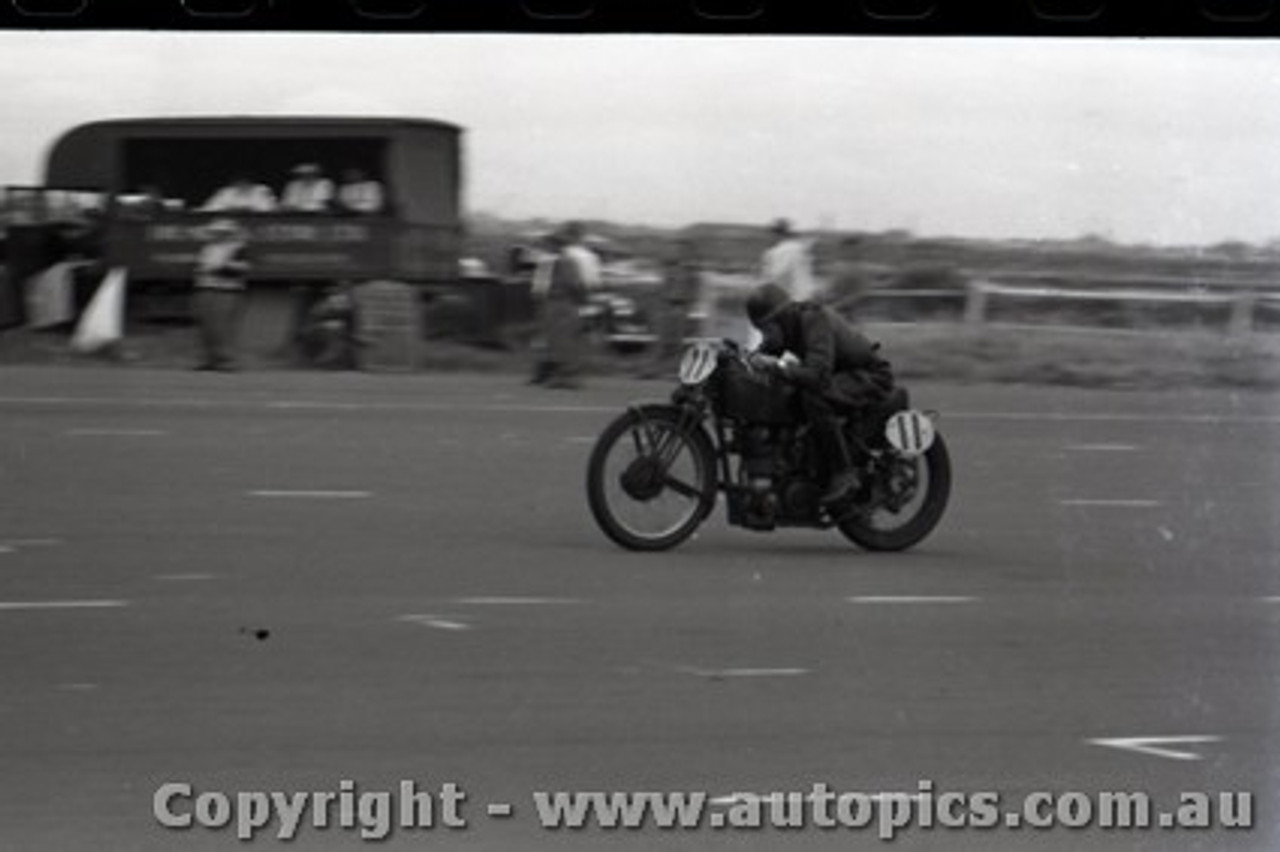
1241, 321
975, 303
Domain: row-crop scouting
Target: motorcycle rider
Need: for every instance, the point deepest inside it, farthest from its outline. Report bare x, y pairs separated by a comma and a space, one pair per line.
837, 371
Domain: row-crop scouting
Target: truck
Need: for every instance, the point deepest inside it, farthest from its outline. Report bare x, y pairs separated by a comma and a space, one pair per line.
148, 182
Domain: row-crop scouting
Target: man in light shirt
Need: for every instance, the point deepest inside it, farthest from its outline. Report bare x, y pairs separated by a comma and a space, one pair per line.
360, 195
789, 263
309, 191
222, 270
589, 266
559, 292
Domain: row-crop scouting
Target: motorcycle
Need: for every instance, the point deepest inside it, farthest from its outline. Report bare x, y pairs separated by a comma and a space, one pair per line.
733, 427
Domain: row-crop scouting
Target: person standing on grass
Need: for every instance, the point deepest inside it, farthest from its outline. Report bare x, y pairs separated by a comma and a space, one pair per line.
221, 280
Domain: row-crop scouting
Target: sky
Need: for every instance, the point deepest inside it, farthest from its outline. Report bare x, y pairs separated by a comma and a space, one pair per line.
1140, 141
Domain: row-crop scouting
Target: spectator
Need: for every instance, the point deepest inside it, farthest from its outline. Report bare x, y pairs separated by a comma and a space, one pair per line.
560, 292
360, 194
590, 269
788, 264
309, 191
242, 195
222, 271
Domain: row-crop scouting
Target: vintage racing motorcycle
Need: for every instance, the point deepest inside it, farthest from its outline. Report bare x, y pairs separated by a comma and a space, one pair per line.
732, 426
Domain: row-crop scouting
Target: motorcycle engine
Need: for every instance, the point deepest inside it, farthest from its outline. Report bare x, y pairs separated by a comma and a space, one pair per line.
800, 498
757, 446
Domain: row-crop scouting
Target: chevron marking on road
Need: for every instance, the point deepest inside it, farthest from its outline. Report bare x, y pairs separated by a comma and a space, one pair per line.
1159, 746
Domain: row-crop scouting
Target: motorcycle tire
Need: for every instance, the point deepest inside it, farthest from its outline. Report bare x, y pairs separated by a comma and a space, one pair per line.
702, 493
863, 533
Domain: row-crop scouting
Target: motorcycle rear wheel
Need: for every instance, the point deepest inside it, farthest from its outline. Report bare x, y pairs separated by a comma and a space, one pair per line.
867, 529
637, 500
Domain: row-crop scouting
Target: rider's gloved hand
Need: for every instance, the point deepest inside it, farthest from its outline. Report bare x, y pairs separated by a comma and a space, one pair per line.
769, 365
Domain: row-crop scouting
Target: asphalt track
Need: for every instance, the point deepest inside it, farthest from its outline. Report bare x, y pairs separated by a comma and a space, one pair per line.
279, 581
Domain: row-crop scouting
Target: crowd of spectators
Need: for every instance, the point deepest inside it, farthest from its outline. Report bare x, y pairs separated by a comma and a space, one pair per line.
309, 190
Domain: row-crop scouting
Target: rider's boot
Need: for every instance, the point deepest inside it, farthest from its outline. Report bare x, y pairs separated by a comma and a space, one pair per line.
844, 476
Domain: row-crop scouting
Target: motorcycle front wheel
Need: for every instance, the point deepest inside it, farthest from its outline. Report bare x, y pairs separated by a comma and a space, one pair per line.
651, 481
918, 490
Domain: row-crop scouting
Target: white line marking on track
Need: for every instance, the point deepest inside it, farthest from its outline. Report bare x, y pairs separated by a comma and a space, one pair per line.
435, 622
1111, 504
1271, 600
311, 495
33, 542
13, 606
77, 687
744, 672
1102, 448
1158, 746
515, 601
1064, 417
115, 433
913, 599
531, 408
183, 578
581, 439
7, 549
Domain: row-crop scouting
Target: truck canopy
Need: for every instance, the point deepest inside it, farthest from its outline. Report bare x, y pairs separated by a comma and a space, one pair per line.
189, 159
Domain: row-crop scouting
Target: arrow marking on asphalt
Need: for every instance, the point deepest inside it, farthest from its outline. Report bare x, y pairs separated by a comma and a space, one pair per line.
1159, 746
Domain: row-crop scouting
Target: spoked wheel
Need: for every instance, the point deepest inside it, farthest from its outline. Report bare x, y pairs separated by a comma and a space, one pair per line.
908, 500
650, 481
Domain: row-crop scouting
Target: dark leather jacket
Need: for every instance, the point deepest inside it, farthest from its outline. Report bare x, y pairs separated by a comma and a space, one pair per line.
824, 342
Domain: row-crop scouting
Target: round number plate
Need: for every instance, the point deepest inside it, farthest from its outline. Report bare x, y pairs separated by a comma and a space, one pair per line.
699, 361
910, 433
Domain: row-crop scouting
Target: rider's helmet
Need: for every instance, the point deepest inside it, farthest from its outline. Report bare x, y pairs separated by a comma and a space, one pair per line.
765, 302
